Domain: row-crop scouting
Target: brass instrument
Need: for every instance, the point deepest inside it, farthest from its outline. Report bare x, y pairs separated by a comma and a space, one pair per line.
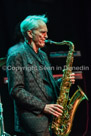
62, 125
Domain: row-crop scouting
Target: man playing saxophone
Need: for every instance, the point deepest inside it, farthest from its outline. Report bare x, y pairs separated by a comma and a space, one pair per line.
31, 84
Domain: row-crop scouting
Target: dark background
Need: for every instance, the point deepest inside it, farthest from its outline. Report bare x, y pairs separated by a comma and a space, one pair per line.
68, 20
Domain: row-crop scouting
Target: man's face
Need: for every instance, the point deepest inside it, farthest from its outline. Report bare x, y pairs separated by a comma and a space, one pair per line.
39, 35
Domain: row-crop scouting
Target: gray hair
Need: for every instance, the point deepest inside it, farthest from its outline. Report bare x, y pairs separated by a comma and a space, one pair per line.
31, 22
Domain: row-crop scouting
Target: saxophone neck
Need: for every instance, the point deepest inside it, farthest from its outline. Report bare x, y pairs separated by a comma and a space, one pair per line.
69, 43
53, 42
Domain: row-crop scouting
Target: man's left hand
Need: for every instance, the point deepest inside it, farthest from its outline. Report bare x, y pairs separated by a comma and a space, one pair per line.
72, 78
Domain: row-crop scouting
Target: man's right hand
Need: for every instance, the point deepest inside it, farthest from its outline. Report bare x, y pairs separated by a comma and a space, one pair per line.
54, 109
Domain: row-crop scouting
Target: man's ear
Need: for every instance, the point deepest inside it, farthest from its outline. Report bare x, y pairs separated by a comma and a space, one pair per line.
29, 33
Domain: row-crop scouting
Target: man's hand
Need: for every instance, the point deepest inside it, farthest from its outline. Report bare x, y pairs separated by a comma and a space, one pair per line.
72, 78
54, 109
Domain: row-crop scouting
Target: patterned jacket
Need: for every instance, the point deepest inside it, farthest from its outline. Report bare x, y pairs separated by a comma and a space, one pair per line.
26, 86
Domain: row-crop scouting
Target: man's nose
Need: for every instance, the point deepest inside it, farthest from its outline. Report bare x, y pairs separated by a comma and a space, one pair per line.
46, 35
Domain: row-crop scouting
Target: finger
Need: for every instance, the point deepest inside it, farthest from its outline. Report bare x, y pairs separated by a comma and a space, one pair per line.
58, 109
72, 77
72, 74
55, 113
59, 106
72, 80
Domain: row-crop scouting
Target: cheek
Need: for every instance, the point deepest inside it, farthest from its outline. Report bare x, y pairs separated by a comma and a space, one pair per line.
37, 37
41, 35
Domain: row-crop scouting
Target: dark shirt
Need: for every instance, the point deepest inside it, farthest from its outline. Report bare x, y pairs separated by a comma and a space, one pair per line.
40, 63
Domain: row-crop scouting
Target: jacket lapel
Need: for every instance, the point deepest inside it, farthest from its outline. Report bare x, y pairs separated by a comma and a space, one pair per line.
35, 71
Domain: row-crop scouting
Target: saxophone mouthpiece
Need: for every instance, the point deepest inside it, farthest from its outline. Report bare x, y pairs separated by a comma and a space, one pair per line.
49, 41
46, 41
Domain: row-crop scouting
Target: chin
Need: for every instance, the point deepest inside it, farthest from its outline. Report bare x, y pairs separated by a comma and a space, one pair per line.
42, 45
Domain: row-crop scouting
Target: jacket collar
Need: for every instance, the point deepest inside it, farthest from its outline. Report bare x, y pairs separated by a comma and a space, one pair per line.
30, 52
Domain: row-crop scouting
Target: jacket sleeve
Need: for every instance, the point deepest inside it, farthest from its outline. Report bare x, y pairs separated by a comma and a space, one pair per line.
15, 74
58, 81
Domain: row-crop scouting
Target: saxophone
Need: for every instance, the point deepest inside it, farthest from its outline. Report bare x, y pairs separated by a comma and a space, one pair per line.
62, 125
